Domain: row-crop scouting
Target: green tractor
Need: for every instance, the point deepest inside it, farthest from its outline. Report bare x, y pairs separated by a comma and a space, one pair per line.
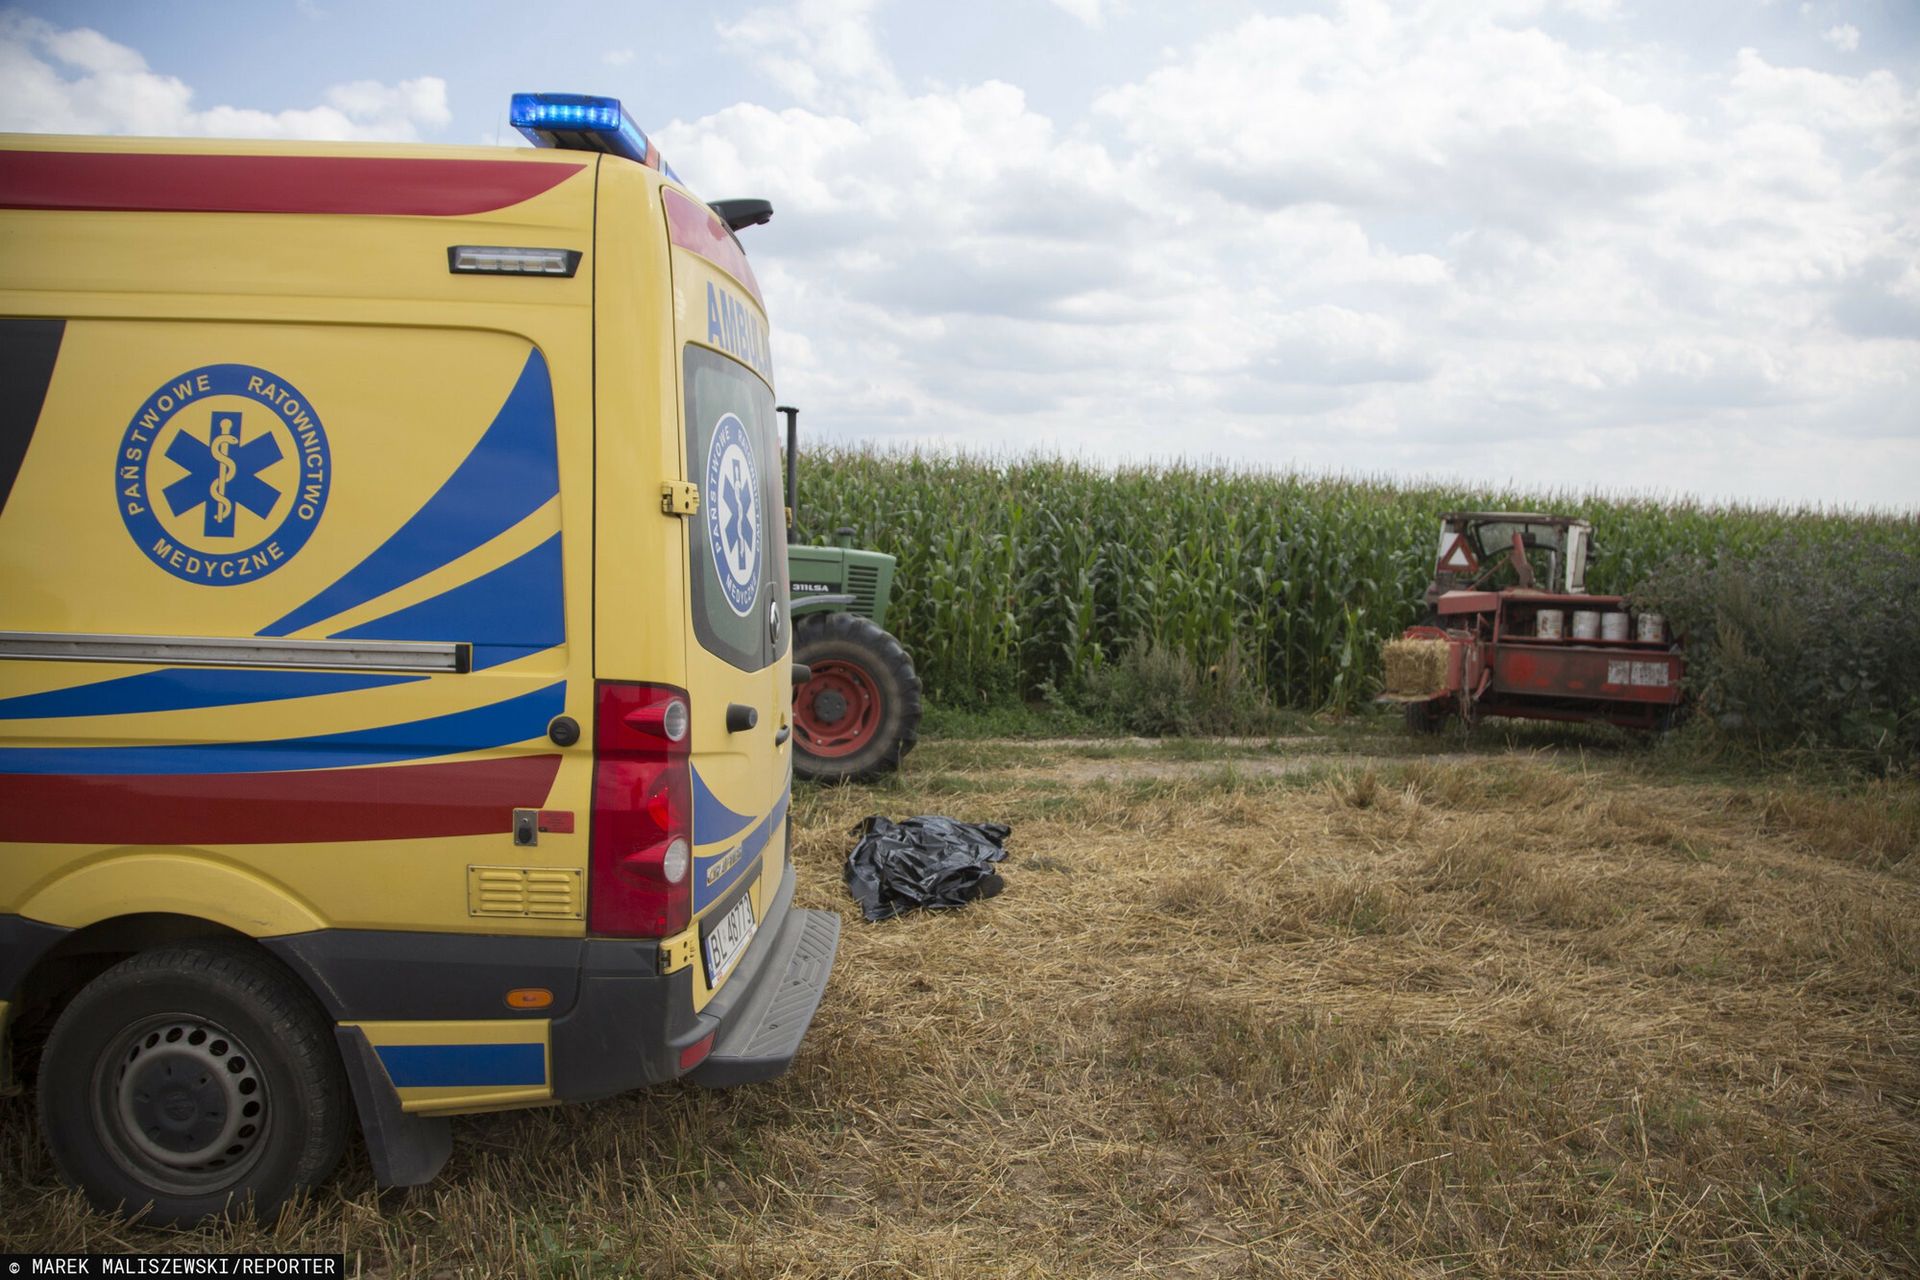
856, 707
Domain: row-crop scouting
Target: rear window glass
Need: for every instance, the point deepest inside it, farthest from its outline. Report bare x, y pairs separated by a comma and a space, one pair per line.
738, 548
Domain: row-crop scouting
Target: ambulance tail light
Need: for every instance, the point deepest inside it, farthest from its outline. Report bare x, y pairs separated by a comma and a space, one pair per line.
583, 122
642, 838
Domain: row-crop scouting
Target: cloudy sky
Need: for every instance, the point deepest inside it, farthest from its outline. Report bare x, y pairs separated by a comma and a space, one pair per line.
1625, 244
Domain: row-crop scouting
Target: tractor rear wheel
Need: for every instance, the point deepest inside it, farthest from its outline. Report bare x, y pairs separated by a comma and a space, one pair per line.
859, 713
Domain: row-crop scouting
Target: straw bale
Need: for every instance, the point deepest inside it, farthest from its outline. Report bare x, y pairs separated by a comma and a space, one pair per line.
1416, 667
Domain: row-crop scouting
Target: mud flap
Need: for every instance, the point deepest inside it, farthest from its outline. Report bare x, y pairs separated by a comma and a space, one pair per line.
405, 1150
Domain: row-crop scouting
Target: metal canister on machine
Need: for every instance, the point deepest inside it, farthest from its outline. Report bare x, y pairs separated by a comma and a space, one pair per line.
1650, 628
1586, 624
1550, 624
1613, 625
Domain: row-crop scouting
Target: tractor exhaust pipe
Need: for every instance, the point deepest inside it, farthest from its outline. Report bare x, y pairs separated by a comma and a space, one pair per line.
793, 476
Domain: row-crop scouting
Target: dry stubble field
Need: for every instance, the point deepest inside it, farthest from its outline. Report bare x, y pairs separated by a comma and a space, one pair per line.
1329, 1008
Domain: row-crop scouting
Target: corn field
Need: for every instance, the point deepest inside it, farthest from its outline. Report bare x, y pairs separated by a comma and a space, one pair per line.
1020, 576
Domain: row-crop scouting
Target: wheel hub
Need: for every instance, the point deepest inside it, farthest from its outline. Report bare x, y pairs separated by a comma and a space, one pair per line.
838, 711
186, 1097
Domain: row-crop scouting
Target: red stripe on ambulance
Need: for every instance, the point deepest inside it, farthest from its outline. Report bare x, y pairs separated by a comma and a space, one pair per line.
126, 182
398, 802
697, 229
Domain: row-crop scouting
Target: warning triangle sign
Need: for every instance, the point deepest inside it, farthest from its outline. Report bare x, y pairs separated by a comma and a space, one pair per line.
1456, 556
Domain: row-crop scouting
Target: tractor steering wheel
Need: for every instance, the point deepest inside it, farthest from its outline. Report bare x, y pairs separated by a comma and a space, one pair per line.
1522, 568
1516, 557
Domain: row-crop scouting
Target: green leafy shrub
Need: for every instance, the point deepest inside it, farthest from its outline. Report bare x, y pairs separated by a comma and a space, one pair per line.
1153, 690
1799, 644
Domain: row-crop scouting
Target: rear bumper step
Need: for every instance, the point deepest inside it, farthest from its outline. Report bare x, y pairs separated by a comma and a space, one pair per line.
759, 1038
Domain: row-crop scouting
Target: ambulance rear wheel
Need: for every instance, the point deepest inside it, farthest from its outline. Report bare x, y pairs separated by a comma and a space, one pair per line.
193, 1081
859, 713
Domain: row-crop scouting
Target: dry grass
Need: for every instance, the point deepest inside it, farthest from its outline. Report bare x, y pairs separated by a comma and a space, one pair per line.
1878, 826
1511, 1016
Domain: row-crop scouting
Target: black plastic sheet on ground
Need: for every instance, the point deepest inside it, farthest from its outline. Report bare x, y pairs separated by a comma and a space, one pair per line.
923, 862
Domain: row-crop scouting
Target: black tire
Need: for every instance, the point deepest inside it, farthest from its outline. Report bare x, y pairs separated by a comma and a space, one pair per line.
1426, 717
193, 1081
860, 714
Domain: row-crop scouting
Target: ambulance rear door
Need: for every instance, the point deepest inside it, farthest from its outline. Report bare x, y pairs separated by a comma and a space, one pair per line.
739, 673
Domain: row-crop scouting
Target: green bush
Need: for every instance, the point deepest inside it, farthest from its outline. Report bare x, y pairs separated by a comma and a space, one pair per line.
1153, 690
1801, 645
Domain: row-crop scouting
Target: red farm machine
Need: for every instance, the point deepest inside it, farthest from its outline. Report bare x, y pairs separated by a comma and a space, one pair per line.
1511, 631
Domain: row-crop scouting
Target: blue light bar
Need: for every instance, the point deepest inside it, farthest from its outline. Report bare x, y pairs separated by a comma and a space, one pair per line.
582, 122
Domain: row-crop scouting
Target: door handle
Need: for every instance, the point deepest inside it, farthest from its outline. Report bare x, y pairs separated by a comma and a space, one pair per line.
780, 738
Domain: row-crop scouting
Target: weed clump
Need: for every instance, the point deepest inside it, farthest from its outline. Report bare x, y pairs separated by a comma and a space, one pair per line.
1158, 690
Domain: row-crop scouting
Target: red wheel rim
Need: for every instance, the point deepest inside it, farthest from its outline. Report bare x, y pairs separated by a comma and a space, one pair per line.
837, 712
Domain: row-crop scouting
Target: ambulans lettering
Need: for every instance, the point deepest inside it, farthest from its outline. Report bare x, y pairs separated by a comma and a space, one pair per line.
738, 330
222, 474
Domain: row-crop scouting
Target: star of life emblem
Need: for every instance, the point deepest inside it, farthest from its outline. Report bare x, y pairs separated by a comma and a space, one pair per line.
222, 474
735, 521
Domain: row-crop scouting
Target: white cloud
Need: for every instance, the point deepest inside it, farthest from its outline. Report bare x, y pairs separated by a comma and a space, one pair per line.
408, 103
1089, 12
1845, 37
823, 52
85, 49
55, 80
1370, 113
1876, 104
617, 57
1419, 239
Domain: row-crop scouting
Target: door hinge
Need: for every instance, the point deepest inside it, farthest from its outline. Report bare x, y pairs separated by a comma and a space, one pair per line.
680, 498
677, 954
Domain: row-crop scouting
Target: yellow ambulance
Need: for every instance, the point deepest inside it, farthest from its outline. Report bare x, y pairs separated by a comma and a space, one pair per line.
395, 672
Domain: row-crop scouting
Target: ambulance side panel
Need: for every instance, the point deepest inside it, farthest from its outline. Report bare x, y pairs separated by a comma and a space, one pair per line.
336, 505
314, 553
